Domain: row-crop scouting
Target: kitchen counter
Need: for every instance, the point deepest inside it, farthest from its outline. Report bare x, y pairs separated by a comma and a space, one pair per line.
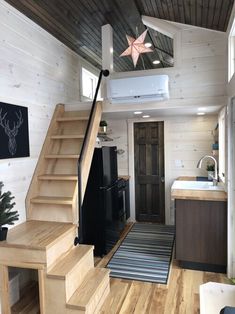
197, 190
199, 195
197, 178
186, 178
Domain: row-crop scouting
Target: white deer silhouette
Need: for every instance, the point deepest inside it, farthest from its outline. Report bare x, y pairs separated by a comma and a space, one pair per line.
11, 133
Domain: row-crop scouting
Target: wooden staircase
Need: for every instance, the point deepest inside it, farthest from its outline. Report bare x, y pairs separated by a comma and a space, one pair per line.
53, 192
68, 281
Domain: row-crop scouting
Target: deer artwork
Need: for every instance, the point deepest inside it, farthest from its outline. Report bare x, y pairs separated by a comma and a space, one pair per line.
11, 132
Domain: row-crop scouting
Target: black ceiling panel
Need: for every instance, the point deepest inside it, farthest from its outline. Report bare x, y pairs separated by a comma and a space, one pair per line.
77, 23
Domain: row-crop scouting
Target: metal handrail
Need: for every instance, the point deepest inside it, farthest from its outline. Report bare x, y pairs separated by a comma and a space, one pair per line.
80, 159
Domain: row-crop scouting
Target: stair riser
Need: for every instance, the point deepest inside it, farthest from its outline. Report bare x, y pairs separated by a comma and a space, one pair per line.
61, 166
68, 146
63, 245
96, 301
64, 178
83, 111
72, 127
58, 291
76, 276
48, 212
54, 296
103, 298
57, 188
22, 257
70, 311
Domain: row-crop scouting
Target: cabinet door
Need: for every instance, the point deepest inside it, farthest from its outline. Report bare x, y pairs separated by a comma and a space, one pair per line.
127, 199
201, 231
111, 217
187, 232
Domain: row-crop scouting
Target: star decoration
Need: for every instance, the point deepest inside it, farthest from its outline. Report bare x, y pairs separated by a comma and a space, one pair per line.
136, 47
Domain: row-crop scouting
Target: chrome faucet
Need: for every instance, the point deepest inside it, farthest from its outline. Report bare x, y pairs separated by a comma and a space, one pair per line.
215, 177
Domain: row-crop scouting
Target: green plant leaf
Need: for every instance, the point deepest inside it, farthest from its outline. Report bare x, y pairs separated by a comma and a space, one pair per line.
103, 123
7, 216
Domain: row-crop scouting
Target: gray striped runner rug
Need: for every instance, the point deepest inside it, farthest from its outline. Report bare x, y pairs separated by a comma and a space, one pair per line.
145, 254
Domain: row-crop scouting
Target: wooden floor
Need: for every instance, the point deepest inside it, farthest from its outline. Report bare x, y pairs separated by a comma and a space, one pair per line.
180, 296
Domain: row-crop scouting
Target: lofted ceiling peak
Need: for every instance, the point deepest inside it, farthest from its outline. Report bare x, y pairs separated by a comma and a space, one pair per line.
78, 24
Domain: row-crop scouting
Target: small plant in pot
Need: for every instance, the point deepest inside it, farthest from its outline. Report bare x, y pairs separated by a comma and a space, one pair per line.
7, 216
210, 171
103, 126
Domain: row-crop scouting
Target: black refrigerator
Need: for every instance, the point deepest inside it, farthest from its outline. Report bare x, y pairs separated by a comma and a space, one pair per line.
99, 215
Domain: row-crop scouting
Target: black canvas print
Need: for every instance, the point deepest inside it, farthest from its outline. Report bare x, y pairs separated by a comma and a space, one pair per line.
14, 133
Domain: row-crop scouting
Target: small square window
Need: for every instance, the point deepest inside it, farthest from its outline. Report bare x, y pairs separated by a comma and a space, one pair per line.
231, 52
89, 83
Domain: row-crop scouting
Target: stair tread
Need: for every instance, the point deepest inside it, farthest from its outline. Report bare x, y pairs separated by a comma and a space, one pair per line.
67, 136
63, 156
87, 290
53, 200
36, 234
68, 262
61, 119
59, 177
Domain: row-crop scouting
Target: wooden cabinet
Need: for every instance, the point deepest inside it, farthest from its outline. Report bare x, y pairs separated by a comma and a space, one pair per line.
201, 234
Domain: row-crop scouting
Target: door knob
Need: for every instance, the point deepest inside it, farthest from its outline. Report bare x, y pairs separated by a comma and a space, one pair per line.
162, 179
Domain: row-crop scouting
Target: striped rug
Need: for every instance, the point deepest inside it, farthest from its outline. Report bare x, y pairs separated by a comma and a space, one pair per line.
145, 254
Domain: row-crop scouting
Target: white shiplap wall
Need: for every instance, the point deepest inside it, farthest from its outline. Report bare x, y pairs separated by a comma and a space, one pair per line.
36, 71
187, 139
200, 78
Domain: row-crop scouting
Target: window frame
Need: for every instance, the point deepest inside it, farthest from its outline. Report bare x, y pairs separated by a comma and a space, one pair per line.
94, 75
223, 145
231, 52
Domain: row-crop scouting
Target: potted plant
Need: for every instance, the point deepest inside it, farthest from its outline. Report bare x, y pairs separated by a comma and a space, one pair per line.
7, 216
103, 126
210, 171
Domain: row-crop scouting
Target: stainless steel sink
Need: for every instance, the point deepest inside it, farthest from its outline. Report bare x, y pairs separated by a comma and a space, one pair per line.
196, 185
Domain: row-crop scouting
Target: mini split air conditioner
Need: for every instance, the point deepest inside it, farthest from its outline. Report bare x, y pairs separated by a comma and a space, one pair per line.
138, 89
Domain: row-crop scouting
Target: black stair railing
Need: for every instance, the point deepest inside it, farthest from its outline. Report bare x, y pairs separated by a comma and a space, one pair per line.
81, 157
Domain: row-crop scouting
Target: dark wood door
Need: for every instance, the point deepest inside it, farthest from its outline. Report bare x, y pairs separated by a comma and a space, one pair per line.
149, 171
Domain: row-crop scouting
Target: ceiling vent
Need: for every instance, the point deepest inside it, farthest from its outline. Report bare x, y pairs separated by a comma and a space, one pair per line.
138, 89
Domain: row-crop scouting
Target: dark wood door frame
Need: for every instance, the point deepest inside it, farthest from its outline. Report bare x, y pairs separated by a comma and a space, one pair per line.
148, 137
131, 169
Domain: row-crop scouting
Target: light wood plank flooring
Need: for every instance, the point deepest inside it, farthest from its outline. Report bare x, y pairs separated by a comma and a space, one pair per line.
180, 296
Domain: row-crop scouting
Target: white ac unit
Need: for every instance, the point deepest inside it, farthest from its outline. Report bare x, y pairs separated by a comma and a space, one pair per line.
138, 89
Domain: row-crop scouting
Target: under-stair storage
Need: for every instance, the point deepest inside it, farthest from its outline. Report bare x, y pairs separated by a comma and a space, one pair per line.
29, 300
23, 291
